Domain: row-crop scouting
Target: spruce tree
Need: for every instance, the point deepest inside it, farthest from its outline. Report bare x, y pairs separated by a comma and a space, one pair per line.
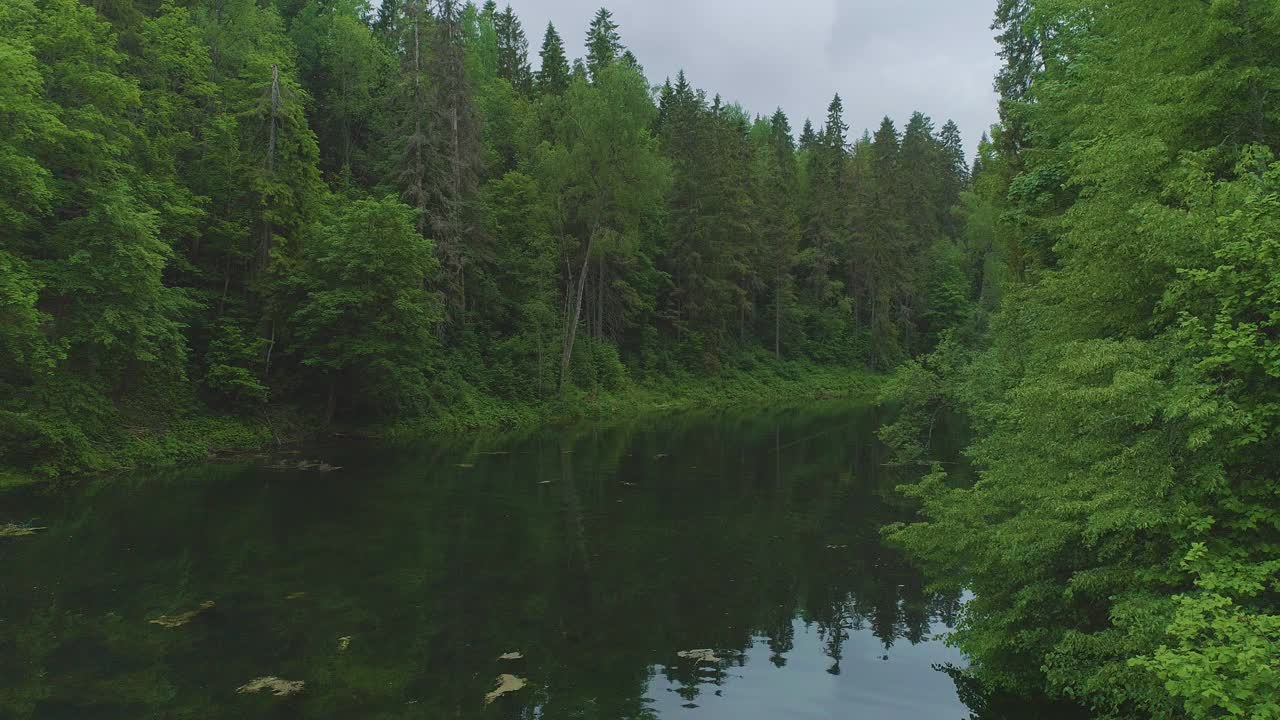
413, 130
826, 227
553, 76
808, 138
889, 284
457, 153
604, 45
513, 51
835, 134
954, 176
921, 166
385, 20
781, 223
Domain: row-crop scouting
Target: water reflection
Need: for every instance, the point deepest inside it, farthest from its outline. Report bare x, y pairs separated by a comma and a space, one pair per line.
596, 553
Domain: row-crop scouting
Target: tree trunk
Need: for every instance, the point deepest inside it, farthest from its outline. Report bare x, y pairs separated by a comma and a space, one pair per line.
777, 321
572, 330
600, 298
332, 407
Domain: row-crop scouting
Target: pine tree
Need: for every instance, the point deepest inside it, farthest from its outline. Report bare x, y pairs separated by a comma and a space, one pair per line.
553, 76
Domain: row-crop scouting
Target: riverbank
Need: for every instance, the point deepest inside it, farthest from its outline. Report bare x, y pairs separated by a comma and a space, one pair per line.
196, 436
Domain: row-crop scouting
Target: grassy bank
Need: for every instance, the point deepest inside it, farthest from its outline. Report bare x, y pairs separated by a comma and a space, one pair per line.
731, 388
194, 436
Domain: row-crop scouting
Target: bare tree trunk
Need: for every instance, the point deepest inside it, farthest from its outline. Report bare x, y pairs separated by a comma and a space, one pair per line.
572, 330
275, 114
600, 297
777, 321
541, 364
332, 407
271, 345
226, 285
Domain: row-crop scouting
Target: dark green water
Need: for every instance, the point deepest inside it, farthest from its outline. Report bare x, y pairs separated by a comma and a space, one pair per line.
597, 554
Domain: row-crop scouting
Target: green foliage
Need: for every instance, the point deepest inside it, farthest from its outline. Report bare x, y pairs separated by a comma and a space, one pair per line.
190, 225
365, 323
1121, 540
232, 364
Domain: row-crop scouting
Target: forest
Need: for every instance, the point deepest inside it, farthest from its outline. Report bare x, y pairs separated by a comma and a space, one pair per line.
1123, 540
225, 218
220, 215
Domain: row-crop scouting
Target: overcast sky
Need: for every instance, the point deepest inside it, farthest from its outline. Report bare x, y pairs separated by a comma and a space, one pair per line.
884, 57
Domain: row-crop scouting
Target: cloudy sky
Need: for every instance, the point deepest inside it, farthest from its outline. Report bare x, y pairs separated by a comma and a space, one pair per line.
884, 57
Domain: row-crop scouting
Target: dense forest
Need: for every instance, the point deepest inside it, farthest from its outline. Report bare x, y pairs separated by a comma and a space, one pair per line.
228, 208
272, 212
1123, 541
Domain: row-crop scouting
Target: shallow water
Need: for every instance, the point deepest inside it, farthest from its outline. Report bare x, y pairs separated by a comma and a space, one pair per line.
391, 587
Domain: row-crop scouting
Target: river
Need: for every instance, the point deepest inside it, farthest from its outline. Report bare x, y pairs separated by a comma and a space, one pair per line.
703, 566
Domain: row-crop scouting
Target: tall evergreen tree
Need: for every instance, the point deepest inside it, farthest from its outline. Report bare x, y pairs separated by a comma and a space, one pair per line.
808, 137
889, 285
553, 75
781, 223
920, 170
604, 44
954, 176
413, 129
513, 51
457, 134
826, 227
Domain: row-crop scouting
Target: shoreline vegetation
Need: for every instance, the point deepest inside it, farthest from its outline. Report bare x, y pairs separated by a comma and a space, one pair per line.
200, 435
239, 221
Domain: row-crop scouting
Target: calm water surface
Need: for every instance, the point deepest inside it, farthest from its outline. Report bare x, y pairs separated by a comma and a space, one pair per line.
391, 587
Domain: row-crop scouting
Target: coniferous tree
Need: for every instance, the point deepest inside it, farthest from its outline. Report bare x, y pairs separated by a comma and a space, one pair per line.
604, 45
345, 66
553, 75
385, 20
954, 176
808, 137
234, 160
920, 171
781, 223
413, 129
888, 283
826, 228
513, 51
456, 156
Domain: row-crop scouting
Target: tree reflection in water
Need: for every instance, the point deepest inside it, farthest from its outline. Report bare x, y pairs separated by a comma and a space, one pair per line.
598, 552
